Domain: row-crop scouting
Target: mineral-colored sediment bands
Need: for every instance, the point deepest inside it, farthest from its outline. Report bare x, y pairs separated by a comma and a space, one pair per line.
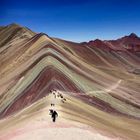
99, 79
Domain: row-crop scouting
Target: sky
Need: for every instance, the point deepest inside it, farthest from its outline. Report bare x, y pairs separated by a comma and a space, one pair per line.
75, 20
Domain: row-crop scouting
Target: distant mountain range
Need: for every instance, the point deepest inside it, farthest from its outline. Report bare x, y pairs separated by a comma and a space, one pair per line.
129, 43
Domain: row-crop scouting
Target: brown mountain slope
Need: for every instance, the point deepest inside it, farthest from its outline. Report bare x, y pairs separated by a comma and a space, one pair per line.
129, 43
14, 32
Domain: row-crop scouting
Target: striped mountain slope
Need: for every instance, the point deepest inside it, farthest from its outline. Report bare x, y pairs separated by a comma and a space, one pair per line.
101, 84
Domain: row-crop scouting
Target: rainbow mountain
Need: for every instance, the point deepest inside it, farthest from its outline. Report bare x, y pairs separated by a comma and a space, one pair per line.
100, 80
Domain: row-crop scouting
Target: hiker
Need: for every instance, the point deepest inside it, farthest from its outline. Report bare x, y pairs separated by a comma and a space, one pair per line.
51, 111
58, 95
52, 104
62, 101
53, 114
54, 94
61, 95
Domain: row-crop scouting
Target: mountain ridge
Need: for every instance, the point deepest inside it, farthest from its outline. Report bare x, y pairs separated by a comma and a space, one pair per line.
129, 43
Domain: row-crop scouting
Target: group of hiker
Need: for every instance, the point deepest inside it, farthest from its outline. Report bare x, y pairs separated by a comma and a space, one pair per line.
56, 94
